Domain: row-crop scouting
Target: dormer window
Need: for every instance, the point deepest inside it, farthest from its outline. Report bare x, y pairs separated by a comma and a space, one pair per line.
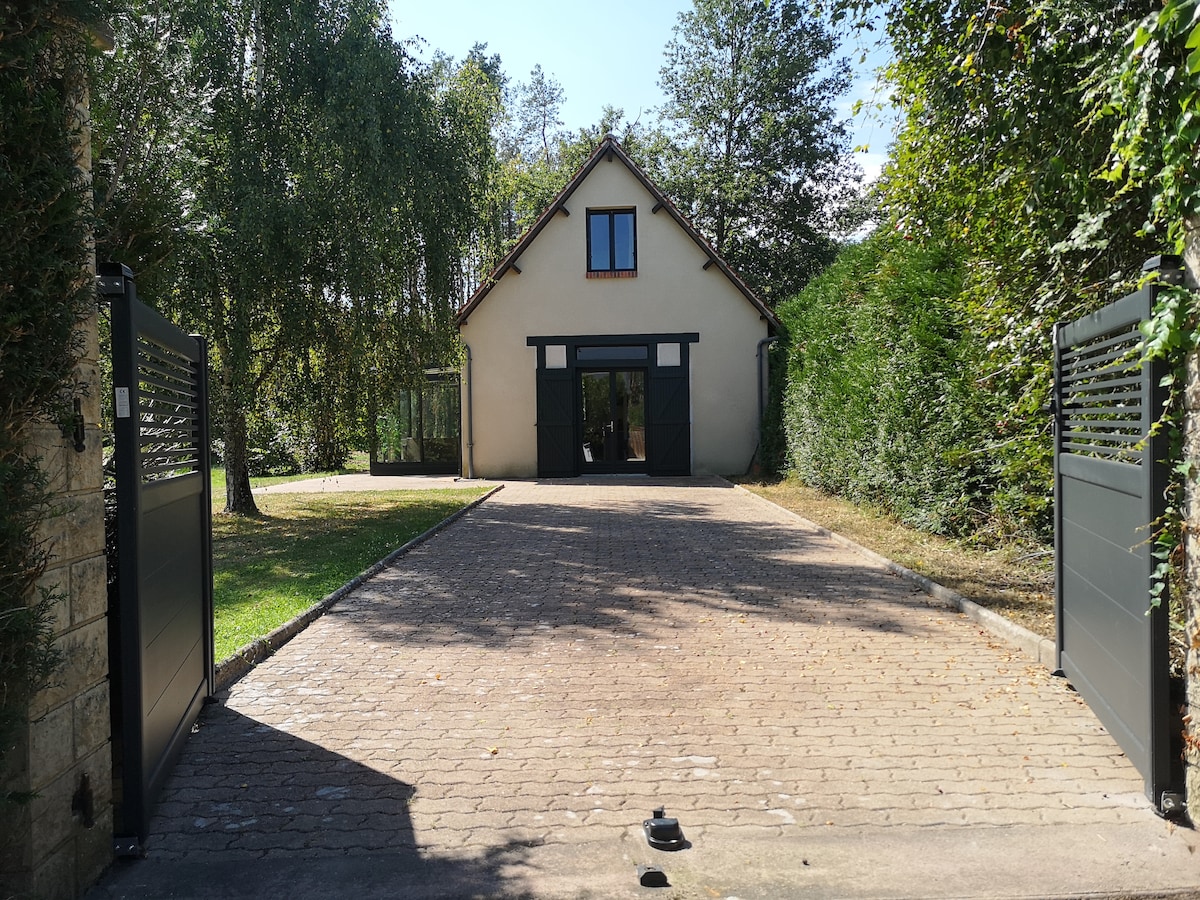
611, 241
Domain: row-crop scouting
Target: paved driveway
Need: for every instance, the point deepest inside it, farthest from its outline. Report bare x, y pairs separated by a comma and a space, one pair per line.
497, 714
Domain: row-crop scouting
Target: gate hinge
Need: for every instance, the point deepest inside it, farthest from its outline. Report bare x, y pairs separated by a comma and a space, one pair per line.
1172, 804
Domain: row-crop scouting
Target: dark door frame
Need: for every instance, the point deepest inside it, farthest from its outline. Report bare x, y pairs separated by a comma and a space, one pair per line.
609, 464
666, 359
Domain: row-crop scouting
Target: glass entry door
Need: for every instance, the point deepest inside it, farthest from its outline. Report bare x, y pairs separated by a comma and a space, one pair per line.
613, 413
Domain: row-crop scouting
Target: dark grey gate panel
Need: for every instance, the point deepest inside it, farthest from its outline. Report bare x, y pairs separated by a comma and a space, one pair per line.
1109, 483
160, 613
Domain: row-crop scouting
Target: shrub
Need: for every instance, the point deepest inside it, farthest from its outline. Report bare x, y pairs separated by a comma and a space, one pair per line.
880, 403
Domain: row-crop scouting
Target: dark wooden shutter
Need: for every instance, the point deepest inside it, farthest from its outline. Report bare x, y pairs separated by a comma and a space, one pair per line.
669, 441
556, 423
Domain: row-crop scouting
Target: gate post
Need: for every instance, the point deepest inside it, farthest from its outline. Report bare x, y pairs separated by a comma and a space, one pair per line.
55, 777
1191, 543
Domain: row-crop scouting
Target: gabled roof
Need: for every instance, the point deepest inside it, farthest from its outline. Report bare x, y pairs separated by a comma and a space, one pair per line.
609, 149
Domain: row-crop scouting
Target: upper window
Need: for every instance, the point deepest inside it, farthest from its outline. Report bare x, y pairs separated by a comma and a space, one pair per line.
612, 240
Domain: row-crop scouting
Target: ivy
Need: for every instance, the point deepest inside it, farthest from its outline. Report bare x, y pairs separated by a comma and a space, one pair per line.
1151, 94
44, 292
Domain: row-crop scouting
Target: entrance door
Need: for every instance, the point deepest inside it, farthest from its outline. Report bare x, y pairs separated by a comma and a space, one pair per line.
613, 416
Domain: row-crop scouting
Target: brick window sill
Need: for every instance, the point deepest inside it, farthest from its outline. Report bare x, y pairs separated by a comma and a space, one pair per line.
608, 274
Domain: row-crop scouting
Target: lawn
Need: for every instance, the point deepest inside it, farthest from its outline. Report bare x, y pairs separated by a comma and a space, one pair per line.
357, 463
269, 569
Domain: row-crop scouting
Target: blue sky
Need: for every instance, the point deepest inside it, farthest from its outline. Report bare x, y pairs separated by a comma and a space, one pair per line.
601, 54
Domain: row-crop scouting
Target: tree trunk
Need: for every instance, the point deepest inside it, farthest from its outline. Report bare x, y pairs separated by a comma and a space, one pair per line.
239, 500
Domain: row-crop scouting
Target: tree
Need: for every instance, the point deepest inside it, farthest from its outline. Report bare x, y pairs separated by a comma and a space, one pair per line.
144, 100
325, 190
761, 166
537, 109
645, 145
997, 159
528, 139
471, 95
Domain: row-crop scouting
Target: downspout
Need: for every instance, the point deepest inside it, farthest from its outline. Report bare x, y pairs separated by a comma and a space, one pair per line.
762, 404
470, 420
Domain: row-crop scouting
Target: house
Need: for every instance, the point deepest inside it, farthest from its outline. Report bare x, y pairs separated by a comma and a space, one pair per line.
612, 339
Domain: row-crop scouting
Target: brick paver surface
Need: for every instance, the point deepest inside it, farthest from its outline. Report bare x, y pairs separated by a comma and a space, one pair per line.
570, 655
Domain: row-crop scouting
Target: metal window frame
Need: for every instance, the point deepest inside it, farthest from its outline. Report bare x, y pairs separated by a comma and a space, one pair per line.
610, 213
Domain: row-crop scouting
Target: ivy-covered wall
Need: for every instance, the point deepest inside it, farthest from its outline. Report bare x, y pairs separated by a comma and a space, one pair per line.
55, 765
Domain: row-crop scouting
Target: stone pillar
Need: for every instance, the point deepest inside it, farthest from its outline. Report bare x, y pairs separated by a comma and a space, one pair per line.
1191, 540
58, 844
65, 757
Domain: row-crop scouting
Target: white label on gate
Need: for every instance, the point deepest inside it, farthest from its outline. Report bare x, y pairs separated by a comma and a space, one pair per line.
122, 402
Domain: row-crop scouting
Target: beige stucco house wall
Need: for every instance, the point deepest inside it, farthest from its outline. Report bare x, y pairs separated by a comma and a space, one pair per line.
543, 289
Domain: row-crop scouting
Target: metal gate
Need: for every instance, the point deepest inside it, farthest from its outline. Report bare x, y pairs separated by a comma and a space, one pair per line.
160, 601
1110, 479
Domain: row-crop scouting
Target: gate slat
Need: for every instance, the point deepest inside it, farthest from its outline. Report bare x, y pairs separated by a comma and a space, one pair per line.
1121, 338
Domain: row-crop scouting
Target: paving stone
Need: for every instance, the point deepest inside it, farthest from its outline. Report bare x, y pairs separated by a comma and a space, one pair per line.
568, 656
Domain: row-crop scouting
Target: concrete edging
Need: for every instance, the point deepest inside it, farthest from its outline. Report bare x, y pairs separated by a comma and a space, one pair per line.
244, 659
1034, 646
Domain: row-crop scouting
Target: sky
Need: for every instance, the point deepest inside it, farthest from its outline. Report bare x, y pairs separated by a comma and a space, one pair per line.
601, 54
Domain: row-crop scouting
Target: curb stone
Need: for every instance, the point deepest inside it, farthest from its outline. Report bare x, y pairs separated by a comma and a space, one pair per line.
230, 670
1034, 646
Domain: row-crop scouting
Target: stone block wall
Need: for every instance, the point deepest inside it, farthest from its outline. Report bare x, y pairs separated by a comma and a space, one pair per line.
61, 841
1191, 541
57, 844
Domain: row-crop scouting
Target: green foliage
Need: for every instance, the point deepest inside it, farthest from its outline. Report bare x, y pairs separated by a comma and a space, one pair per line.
1148, 100
299, 190
759, 159
996, 163
27, 653
880, 405
44, 292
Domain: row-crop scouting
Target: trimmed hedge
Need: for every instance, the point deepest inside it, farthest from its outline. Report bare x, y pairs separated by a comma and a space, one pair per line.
880, 404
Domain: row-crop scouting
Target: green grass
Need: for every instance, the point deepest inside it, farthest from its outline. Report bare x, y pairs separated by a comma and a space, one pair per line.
218, 478
267, 570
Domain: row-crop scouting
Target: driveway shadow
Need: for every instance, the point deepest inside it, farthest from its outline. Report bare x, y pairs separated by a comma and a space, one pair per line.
509, 570
252, 811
